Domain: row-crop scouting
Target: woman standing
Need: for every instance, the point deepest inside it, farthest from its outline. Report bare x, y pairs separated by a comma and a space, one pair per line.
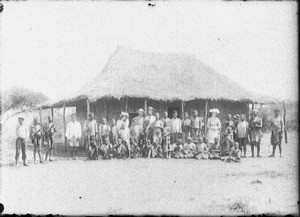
213, 126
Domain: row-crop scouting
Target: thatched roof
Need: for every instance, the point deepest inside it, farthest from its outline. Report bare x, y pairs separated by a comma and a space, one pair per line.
161, 76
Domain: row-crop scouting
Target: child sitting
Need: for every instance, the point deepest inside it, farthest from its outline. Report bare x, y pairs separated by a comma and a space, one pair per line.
189, 148
156, 150
120, 149
235, 154
201, 150
225, 149
214, 150
134, 148
105, 148
177, 149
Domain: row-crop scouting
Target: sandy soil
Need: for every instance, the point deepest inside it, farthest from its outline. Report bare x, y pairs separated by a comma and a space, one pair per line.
156, 186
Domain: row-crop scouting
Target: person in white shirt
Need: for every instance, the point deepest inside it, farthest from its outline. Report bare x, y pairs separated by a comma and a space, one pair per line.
21, 134
73, 134
175, 127
125, 135
242, 133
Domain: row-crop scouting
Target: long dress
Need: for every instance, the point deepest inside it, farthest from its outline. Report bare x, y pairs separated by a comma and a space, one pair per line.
213, 129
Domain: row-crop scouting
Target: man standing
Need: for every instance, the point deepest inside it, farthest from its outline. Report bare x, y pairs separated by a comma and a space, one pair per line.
197, 124
21, 134
277, 129
186, 127
90, 131
166, 119
175, 127
242, 134
49, 138
36, 138
255, 131
73, 134
139, 121
149, 122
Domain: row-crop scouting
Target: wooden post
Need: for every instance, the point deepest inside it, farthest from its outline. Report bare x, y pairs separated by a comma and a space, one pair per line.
252, 105
284, 123
145, 104
182, 109
64, 127
52, 113
126, 104
88, 107
105, 108
41, 122
205, 117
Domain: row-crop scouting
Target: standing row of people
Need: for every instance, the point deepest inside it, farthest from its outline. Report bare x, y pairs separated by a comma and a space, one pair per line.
150, 135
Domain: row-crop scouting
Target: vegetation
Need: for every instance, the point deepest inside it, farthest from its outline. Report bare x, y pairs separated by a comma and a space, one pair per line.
17, 97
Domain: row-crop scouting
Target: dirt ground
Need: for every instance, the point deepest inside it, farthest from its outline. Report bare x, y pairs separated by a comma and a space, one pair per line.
156, 186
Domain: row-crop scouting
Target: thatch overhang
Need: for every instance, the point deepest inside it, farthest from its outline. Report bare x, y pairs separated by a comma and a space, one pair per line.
160, 76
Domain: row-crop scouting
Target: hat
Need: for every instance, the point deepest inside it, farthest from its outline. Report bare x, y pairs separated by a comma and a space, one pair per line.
124, 114
237, 116
254, 111
21, 117
150, 108
141, 110
189, 138
214, 110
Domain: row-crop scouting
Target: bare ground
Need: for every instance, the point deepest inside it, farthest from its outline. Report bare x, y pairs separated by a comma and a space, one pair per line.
156, 186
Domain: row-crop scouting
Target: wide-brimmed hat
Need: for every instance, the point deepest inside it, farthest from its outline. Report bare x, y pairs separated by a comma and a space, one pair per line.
150, 108
21, 117
124, 114
214, 110
140, 110
189, 138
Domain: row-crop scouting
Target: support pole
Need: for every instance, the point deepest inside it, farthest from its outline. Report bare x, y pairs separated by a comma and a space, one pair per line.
88, 107
182, 109
52, 113
64, 127
252, 105
145, 104
105, 108
126, 104
41, 122
205, 117
284, 123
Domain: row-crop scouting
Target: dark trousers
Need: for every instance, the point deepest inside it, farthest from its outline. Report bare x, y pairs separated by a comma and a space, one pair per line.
20, 144
174, 137
243, 144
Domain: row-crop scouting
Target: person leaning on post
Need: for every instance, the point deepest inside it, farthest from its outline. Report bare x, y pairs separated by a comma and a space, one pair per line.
22, 135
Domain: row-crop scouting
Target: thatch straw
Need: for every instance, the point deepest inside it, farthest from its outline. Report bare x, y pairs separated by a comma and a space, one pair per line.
162, 76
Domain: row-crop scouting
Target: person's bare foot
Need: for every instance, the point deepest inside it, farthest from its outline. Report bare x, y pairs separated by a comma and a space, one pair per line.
24, 164
41, 162
258, 156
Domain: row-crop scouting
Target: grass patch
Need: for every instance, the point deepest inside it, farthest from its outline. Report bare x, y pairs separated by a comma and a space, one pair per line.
240, 206
272, 174
256, 181
236, 174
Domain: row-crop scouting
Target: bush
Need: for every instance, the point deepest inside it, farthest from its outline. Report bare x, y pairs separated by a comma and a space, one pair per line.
17, 97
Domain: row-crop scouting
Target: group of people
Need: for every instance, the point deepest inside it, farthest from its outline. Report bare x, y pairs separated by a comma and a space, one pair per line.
151, 136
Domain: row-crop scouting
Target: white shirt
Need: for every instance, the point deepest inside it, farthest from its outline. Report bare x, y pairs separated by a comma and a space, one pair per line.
21, 131
73, 129
120, 122
175, 125
242, 129
90, 127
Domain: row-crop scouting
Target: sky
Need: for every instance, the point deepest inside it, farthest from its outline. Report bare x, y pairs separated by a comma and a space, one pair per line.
55, 47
